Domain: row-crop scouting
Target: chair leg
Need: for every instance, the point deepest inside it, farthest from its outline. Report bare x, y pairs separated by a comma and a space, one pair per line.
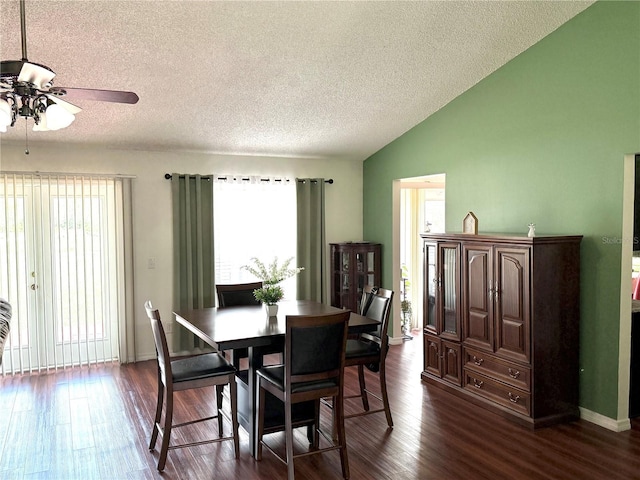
158, 416
166, 430
338, 405
385, 397
288, 435
363, 388
233, 393
261, 408
314, 435
310, 434
218, 389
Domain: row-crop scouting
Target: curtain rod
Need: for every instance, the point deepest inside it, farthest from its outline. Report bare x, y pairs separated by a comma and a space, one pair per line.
168, 176
69, 174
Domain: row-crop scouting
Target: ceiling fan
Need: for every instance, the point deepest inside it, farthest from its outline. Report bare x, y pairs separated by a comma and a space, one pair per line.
26, 90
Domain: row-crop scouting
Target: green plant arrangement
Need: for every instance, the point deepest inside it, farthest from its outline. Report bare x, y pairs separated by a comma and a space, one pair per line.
269, 294
405, 308
405, 305
271, 275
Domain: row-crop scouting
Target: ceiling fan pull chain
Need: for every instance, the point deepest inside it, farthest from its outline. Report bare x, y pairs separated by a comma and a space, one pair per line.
26, 136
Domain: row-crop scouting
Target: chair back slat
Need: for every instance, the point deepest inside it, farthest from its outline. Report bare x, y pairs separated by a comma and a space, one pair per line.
160, 339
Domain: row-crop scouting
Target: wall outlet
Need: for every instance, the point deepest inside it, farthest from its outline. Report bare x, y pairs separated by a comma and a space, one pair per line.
151, 263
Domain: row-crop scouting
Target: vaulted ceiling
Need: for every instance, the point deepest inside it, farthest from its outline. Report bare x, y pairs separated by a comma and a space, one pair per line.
301, 79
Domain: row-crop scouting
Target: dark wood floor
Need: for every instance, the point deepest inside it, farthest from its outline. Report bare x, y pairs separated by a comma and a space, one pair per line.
94, 423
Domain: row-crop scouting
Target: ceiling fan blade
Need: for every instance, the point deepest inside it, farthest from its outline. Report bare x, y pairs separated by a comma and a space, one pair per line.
93, 94
70, 107
39, 75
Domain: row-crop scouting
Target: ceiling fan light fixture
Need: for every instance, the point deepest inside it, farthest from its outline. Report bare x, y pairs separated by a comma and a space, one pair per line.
5, 114
58, 117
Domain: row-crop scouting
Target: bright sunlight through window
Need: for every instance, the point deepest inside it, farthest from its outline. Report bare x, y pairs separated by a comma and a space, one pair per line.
253, 218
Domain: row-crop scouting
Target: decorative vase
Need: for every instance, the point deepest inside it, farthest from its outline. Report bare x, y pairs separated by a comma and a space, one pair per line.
272, 310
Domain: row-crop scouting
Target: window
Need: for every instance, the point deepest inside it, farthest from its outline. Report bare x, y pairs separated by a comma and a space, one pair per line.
253, 217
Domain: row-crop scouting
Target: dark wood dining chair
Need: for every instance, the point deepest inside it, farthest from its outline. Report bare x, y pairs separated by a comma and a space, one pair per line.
235, 295
205, 370
313, 369
369, 350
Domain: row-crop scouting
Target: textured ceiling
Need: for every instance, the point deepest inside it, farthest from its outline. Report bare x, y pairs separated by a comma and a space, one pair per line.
302, 79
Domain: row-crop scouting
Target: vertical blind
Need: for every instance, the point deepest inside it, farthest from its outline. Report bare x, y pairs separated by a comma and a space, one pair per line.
66, 250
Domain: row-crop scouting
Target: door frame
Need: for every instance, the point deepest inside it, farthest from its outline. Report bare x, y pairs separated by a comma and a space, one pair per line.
396, 337
624, 340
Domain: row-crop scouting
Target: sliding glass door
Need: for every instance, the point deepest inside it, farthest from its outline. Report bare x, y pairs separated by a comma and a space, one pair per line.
62, 242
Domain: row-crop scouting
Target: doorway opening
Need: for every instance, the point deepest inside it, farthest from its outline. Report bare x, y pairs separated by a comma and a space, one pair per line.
421, 209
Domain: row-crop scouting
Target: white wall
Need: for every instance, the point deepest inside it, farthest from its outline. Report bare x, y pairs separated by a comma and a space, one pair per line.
152, 203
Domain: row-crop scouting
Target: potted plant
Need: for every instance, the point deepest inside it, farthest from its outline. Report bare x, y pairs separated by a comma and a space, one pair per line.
405, 304
269, 294
271, 275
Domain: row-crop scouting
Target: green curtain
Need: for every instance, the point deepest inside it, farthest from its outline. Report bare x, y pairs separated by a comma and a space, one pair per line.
311, 242
193, 256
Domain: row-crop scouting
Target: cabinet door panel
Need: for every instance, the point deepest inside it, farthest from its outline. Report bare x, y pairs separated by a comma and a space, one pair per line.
512, 303
478, 299
432, 362
452, 362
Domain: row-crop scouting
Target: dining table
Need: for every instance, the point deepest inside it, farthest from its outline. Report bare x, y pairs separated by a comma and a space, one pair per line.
229, 328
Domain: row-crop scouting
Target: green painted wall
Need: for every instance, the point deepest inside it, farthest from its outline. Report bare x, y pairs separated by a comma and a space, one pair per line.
541, 140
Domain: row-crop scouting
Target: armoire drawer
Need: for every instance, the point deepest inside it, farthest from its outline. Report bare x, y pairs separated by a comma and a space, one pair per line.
505, 395
494, 367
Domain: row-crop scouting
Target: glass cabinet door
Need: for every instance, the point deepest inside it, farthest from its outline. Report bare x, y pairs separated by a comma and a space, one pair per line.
361, 271
344, 262
431, 283
448, 287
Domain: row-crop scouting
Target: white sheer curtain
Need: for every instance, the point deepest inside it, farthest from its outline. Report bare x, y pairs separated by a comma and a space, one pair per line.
253, 217
65, 267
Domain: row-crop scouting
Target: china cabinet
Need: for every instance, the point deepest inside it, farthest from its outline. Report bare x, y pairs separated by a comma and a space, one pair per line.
501, 322
353, 265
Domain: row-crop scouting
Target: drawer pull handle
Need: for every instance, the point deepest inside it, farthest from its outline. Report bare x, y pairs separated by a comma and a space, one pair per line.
478, 361
513, 398
477, 384
514, 373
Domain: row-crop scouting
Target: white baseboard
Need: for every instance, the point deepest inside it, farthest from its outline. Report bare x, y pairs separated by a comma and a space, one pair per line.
396, 340
605, 422
147, 356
